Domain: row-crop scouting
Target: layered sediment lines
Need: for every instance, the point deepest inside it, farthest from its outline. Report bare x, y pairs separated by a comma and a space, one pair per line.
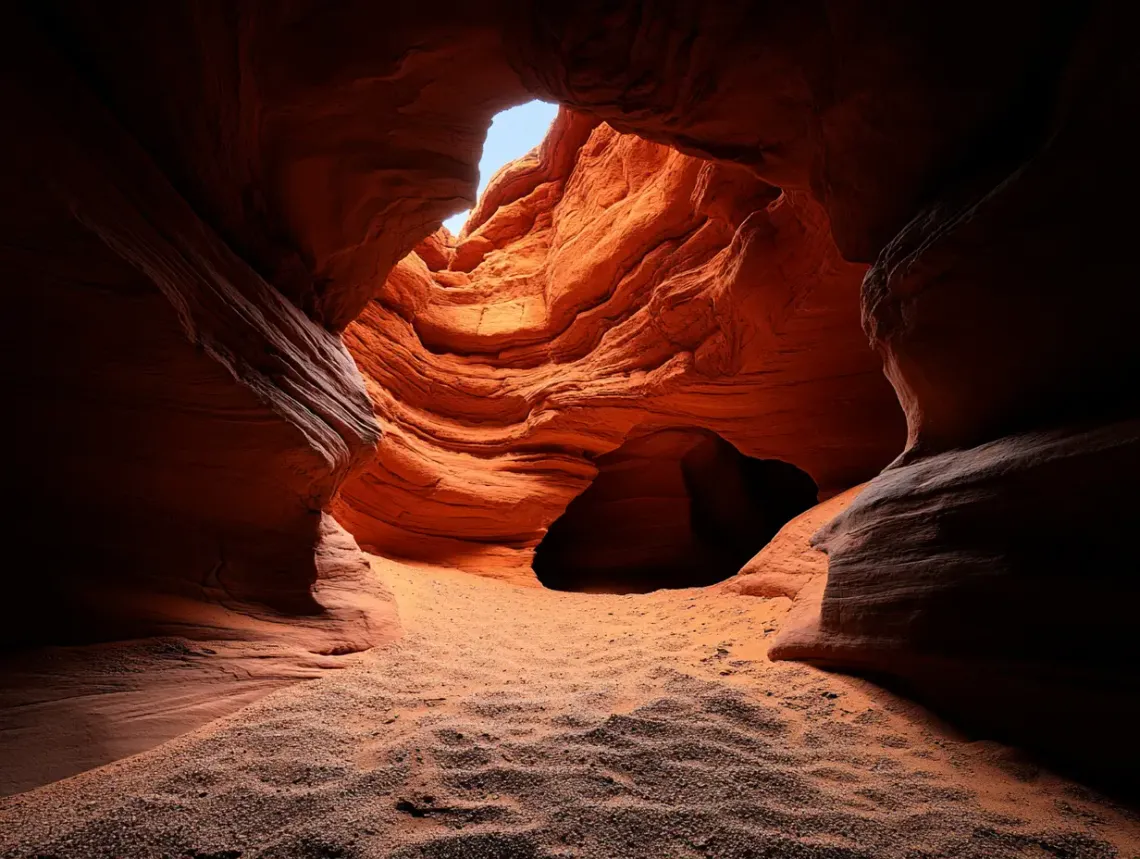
188, 424
605, 287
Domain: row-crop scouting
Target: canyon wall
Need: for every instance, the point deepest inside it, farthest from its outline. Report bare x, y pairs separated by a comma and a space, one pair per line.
606, 286
977, 572
184, 431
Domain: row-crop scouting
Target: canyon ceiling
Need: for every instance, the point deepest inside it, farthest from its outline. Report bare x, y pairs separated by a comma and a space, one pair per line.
214, 213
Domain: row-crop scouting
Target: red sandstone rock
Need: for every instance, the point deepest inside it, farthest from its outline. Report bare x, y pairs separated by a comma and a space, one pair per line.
313, 139
958, 571
986, 262
626, 289
194, 420
1022, 626
436, 251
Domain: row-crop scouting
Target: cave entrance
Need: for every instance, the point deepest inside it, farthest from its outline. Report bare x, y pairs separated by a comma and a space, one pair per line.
677, 508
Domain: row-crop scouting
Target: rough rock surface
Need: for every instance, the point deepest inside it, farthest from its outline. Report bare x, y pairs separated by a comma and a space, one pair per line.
606, 286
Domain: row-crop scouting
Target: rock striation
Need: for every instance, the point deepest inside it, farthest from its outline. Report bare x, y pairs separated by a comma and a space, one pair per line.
605, 287
180, 439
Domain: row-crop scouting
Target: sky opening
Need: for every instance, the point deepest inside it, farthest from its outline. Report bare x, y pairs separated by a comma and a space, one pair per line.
513, 133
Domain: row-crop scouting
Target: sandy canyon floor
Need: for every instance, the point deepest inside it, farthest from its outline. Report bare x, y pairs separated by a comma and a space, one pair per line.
513, 723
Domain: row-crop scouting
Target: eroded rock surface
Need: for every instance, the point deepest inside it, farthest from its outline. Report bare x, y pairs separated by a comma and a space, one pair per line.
617, 286
969, 577
179, 440
976, 570
789, 563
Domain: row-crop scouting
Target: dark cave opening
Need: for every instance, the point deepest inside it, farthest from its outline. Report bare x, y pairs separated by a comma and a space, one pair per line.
676, 508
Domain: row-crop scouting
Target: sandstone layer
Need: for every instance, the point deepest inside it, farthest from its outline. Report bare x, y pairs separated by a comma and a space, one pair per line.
605, 287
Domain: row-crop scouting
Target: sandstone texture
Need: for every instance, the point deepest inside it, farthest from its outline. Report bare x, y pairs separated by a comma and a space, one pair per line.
789, 562
189, 424
958, 572
970, 579
605, 288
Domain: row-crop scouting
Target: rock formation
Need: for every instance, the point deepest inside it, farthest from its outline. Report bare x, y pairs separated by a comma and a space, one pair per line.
605, 287
199, 198
789, 563
195, 421
971, 579
957, 572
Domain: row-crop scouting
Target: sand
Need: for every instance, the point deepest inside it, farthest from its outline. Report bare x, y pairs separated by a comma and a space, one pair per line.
514, 723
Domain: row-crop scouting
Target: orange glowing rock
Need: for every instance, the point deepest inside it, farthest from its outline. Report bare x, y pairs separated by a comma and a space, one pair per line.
604, 286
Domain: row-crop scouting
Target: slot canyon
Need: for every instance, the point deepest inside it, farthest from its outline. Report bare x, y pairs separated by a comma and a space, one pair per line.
751, 474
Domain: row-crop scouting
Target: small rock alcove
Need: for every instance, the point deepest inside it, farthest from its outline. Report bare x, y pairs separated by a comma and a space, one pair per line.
672, 509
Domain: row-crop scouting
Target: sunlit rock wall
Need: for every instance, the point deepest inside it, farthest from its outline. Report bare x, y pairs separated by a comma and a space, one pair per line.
605, 285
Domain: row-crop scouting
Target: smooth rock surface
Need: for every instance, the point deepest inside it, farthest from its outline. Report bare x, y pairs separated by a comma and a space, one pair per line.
790, 562
971, 580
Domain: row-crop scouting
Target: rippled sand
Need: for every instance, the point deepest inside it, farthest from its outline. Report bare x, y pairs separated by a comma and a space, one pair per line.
513, 722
